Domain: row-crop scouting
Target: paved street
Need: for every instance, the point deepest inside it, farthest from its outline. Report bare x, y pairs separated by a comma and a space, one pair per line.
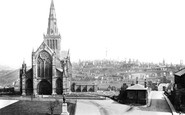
86, 108
158, 102
159, 106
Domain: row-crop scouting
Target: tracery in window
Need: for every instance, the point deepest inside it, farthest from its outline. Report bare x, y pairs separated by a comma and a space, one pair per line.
44, 65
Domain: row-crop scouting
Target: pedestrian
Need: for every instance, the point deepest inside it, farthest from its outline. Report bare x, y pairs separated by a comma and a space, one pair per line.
64, 98
31, 97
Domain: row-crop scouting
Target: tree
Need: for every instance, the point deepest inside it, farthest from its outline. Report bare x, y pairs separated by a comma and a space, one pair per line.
164, 80
122, 96
52, 105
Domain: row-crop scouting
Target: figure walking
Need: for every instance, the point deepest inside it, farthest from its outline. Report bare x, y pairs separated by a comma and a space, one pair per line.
64, 98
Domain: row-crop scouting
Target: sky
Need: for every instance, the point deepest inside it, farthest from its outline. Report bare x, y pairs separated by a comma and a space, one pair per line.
147, 30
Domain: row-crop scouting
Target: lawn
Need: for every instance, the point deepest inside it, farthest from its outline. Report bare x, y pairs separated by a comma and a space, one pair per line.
35, 108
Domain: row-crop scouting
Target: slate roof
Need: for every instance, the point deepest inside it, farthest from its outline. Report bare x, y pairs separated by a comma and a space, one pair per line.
136, 87
180, 72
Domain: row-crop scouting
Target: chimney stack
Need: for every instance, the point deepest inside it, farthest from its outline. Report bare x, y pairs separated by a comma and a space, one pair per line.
136, 80
145, 83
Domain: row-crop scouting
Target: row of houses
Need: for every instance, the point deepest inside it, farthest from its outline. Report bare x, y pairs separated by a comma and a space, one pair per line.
178, 94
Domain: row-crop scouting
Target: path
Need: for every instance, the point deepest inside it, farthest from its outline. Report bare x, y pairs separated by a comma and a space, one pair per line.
86, 108
159, 106
4, 103
158, 102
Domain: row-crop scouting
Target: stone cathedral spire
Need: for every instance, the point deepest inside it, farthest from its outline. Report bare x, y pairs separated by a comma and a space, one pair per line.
51, 69
52, 38
52, 21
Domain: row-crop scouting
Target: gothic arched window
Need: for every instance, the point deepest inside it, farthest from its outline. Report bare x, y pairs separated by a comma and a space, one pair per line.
51, 31
40, 65
56, 44
48, 42
48, 68
44, 65
38, 68
53, 44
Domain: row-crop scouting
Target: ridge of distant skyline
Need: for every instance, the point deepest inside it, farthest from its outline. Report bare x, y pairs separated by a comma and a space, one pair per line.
149, 31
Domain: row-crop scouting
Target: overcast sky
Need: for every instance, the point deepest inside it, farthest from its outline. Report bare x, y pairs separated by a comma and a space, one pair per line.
148, 30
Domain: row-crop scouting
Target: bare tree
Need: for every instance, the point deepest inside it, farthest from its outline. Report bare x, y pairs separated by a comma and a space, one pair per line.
53, 105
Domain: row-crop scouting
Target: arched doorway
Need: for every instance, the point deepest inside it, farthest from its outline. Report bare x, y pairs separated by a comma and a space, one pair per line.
44, 88
84, 88
29, 87
59, 86
78, 89
91, 89
73, 87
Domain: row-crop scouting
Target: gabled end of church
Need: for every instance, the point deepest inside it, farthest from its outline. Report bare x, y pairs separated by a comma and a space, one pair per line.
51, 70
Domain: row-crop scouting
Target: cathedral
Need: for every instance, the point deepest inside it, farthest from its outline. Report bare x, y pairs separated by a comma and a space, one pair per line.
51, 68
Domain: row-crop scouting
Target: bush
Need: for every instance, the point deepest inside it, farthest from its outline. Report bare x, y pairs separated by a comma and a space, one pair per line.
52, 105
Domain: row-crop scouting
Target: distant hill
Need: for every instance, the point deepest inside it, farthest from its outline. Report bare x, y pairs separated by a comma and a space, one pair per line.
5, 67
9, 77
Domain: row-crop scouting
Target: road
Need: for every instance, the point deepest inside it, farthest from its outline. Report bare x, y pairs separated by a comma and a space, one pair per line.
158, 106
158, 102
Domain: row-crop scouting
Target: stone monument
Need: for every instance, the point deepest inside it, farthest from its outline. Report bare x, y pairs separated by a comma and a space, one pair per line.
64, 109
64, 106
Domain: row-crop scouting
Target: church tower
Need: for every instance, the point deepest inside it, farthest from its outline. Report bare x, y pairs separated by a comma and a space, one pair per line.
53, 38
51, 69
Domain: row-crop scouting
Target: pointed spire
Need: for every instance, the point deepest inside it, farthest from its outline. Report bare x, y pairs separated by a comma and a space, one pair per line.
52, 4
53, 38
23, 60
24, 65
52, 10
68, 55
52, 21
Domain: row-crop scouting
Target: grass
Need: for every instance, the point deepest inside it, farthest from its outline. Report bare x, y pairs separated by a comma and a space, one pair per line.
25, 107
